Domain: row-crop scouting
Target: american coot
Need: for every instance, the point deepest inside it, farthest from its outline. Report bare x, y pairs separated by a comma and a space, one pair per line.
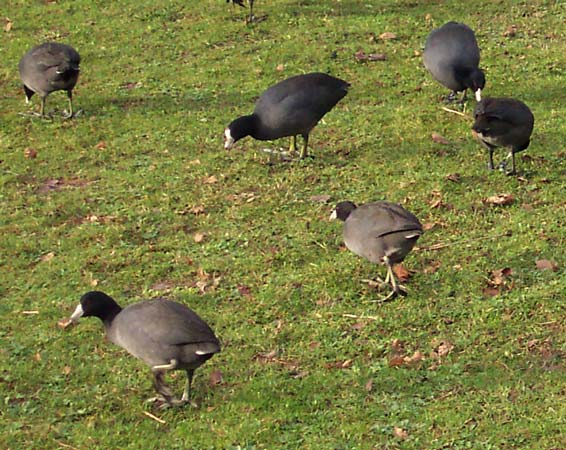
291, 107
47, 68
241, 3
503, 122
452, 56
382, 232
164, 334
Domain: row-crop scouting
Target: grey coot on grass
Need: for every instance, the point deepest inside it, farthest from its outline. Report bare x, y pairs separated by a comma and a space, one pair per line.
164, 334
503, 122
47, 68
382, 232
452, 56
291, 107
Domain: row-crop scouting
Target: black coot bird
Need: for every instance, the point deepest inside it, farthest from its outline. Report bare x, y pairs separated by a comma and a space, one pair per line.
291, 107
164, 334
452, 56
241, 3
47, 68
503, 122
382, 232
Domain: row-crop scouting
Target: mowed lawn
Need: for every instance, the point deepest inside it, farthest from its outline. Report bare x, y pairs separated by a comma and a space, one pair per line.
138, 198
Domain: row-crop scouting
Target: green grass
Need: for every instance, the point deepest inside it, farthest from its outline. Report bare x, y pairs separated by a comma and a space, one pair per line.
159, 83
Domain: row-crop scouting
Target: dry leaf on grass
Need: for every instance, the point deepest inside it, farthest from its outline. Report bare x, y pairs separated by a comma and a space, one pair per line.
199, 237
546, 264
455, 177
210, 180
400, 433
511, 31
387, 36
401, 272
280, 68
100, 146
244, 290
64, 323
319, 198
30, 153
369, 385
499, 200
362, 56
498, 276
439, 139
215, 378
8, 25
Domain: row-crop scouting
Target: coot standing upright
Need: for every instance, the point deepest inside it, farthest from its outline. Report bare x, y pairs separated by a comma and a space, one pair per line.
164, 334
289, 108
47, 68
381, 232
503, 122
452, 56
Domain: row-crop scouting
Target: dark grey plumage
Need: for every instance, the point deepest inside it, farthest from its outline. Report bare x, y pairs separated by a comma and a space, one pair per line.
164, 334
503, 122
291, 107
382, 232
48, 68
452, 57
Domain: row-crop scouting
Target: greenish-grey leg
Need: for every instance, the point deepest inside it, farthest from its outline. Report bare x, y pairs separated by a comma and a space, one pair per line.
304, 150
293, 146
512, 156
70, 96
42, 111
187, 392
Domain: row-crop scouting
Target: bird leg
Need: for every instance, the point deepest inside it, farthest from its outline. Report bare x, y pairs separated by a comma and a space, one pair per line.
187, 392
304, 150
397, 289
70, 96
42, 112
464, 96
161, 387
251, 17
512, 156
293, 146
490, 161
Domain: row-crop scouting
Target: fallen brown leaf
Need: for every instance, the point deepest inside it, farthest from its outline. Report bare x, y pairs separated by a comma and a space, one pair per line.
198, 237
455, 177
432, 267
499, 200
546, 264
396, 361
244, 290
280, 68
66, 370
362, 56
414, 359
401, 273
320, 198
387, 36
47, 257
37, 356
511, 31
215, 378
439, 139
369, 385
30, 153
64, 323
400, 433
490, 291
100, 146
498, 276
210, 180
8, 25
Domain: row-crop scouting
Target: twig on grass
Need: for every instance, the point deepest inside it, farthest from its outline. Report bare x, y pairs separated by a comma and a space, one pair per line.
157, 419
